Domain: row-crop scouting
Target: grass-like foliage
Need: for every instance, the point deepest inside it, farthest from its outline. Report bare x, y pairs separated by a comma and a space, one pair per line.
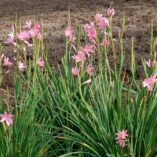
84, 107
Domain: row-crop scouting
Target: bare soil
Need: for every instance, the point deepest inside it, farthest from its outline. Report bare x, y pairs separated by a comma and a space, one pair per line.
54, 15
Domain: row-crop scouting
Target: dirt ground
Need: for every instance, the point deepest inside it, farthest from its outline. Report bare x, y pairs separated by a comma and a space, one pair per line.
54, 14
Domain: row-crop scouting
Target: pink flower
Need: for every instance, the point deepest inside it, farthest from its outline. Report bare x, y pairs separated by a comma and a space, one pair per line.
28, 25
149, 82
121, 136
69, 32
8, 118
110, 12
90, 69
40, 62
101, 21
75, 71
21, 66
36, 26
153, 63
121, 142
6, 61
35, 31
79, 57
90, 30
105, 42
88, 49
10, 39
23, 35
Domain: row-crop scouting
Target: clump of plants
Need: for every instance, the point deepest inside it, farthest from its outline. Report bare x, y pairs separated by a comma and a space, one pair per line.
85, 107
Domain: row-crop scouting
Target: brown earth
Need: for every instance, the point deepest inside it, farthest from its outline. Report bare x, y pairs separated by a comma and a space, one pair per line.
54, 14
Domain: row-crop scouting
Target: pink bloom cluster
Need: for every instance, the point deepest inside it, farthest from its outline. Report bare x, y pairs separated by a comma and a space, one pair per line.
11, 38
40, 62
80, 57
110, 12
90, 30
84, 53
24, 35
88, 49
149, 82
21, 66
101, 21
153, 63
6, 61
121, 137
75, 71
8, 118
29, 32
69, 33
